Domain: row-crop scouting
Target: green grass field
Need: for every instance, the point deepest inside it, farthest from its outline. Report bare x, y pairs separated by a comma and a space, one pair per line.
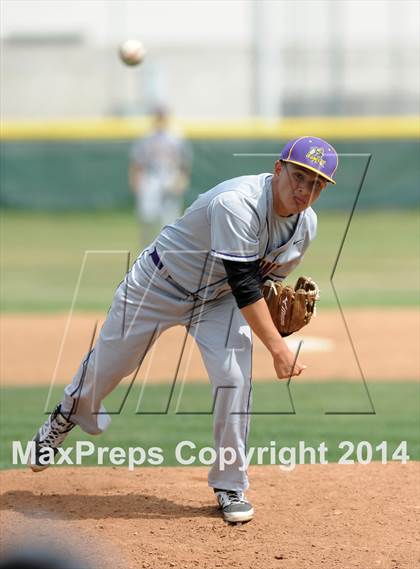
396, 418
41, 257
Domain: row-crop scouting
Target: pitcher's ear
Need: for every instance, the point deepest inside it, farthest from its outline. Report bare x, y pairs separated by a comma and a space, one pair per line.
278, 165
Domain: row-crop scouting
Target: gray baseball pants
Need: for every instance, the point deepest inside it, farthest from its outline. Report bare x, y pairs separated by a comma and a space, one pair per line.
144, 306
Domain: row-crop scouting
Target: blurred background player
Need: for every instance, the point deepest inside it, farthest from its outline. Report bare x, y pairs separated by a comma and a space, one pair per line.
159, 175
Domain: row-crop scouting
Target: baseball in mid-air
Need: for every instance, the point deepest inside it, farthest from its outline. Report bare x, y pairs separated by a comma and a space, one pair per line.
132, 52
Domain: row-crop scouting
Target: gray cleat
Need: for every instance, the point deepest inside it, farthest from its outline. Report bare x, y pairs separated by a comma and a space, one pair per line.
50, 436
234, 505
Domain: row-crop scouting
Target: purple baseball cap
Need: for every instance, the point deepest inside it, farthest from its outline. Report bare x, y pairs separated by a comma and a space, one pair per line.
313, 154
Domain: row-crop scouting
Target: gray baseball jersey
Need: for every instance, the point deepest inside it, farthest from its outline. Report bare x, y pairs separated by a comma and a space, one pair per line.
235, 221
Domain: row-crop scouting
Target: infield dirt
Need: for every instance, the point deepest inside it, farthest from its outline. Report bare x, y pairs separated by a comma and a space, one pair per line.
385, 341
331, 516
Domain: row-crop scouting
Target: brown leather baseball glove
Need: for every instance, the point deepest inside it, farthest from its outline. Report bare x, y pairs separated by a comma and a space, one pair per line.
291, 308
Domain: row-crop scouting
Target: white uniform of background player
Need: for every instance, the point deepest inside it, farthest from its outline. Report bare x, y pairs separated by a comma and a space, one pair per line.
182, 278
160, 165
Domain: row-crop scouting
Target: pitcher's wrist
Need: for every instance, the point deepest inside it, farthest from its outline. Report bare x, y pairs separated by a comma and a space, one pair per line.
277, 346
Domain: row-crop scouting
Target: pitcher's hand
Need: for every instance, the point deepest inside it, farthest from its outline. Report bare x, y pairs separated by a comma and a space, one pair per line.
283, 364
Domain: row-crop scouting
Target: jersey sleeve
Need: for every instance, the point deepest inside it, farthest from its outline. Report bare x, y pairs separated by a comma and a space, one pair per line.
185, 154
137, 154
234, 228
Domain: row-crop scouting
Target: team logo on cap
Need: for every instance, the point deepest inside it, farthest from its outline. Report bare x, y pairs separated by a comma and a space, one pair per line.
316, 154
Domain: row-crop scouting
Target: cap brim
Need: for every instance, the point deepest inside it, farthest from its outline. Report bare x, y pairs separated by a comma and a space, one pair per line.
303, 165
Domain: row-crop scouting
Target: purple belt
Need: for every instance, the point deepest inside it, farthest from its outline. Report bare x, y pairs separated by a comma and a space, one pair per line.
156, 259
154, 255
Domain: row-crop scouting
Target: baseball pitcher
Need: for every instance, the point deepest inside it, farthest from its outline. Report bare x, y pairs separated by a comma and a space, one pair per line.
219, 271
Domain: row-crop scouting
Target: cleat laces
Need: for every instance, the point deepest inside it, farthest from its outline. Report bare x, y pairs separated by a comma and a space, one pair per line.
55, 430
235, 497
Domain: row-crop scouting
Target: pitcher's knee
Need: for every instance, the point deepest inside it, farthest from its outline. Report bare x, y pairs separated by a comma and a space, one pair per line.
232, 376
109, 375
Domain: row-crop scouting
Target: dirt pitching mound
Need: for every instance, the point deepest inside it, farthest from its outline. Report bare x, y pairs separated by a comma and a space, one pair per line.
331, 516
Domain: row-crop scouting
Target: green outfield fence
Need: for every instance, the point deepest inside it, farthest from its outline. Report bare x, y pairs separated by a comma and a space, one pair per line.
82, 165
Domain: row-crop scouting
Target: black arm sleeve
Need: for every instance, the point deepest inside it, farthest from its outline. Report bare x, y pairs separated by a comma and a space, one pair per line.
244, 280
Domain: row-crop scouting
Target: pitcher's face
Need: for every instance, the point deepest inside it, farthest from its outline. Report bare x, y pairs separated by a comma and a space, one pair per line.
295, 188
